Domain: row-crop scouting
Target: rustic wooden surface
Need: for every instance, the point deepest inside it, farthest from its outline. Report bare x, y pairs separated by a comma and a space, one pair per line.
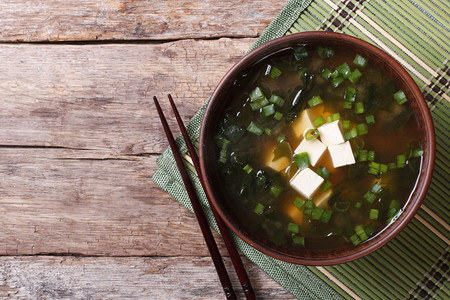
79, 139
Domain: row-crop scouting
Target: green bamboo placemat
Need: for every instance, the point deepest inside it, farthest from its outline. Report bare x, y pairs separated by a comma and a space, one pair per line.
415, 264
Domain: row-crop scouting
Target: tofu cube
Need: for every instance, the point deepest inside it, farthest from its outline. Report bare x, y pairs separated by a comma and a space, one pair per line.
315, 150
306, 182
277, 165
330, 133
321, 198
302, 123
341, 154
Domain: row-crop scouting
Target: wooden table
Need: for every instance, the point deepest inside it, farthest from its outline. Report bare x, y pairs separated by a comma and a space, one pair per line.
80, 216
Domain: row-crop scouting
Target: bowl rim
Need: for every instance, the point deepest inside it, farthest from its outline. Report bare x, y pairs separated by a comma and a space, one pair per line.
427, 160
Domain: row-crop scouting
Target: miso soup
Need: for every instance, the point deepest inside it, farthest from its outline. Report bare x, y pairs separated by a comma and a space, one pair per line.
317, 148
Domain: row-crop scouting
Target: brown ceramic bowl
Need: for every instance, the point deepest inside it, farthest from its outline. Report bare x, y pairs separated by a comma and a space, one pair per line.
218, 102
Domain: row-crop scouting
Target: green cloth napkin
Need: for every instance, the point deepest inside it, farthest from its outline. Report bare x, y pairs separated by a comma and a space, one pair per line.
415, 264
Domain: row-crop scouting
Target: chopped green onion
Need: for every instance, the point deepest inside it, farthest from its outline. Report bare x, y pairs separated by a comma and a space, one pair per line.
318, 121
256, 95
312, 134
342, 206
354, 76
323, 172
362, 155
392, 166
326, 215
352, 133
293, 228
371, 155
401, 161
346, 124
333, 117
391, 212
316, 100
281, 138
383, 168
359, 142
358, 204
348, 105
223, 155
259, 209
335, 74
221, 141
369, 229
276, 190
248, 168
275, 72
359, 107
326, 185
350, 94
370, 119
301, 160
344, 70
277, 100
360, 61
325, 52
309, 203
359, 229
299, 203
298, 240
400, 97
267, 131
268, 110
417, 153
259, 104
370, 197
303, 72
374, 168
373, 215
277, 116
408, 152
337, 81
254, 128
395, 204
376, 188
317, 213
300, 52
326, 73
307, 211
362, 129
355, 239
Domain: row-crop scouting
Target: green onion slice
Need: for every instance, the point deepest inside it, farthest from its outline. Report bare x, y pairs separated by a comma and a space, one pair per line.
316, 100
359, 142
301, 160
311, 134
342, 206
318, 121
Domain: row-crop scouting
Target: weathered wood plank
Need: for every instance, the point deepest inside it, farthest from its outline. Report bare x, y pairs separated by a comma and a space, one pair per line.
99, 96
60, 201
87, 20
48, 277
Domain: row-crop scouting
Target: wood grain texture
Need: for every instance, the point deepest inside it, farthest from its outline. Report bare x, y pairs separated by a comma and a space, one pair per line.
79, 140
60, 201
90, 20
99, 96
47, 277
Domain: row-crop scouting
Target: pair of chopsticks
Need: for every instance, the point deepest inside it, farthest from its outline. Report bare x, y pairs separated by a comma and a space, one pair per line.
206, 231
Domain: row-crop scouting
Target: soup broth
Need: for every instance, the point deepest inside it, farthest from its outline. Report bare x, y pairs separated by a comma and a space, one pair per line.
358, 159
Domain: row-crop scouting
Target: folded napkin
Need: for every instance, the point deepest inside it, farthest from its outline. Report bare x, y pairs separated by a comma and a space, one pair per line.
414, 264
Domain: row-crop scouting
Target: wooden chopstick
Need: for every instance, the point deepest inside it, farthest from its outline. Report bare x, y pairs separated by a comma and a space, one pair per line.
235, 257
206, 231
